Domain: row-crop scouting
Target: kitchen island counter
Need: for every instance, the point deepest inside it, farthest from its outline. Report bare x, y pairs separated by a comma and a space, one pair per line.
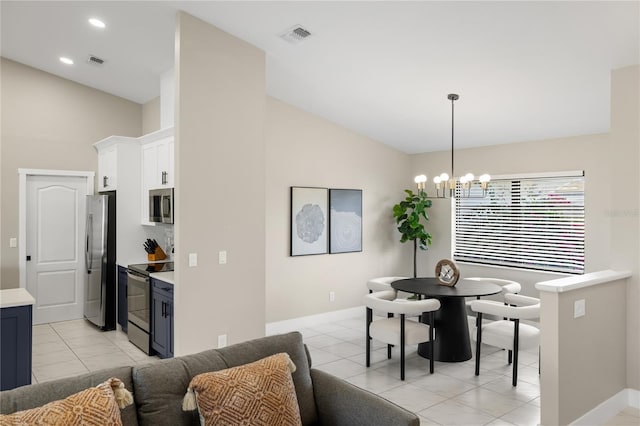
15, 297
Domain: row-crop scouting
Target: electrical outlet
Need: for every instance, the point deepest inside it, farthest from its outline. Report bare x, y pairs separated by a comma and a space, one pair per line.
579, 308
13, 242
222, 341
222, 257
332, 296
193, 259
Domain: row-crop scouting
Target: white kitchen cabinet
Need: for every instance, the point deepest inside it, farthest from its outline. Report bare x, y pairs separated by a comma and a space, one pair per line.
157, 152
165, 163
119, 161
157, 164
108, 168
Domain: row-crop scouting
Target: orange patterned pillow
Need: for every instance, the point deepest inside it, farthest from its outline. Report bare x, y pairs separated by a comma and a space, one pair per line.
94, 406
257, 394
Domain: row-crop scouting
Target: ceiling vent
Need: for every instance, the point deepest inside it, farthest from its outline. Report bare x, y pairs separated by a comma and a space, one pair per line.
94, 60
295, 34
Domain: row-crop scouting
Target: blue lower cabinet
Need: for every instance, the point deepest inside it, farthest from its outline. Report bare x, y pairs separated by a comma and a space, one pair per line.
15, 347
162, 318
122, 298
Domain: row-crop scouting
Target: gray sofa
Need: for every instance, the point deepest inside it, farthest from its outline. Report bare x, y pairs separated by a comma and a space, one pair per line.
158, 388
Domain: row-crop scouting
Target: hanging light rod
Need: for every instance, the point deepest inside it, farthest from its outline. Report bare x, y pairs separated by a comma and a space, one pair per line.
446, 184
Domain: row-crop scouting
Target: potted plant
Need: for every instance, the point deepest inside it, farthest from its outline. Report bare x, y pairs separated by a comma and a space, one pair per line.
408, 214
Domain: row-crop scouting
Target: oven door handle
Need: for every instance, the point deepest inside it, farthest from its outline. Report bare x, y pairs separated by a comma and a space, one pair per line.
137, 277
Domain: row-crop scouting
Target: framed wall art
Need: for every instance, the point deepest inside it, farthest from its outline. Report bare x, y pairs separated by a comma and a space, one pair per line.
345, 206
309, 221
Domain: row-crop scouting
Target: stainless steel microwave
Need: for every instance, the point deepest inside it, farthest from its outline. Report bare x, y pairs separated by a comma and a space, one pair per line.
161, 205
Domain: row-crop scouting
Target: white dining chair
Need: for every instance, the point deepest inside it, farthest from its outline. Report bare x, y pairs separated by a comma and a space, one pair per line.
510, 333
382, 283
397, 330
508, 286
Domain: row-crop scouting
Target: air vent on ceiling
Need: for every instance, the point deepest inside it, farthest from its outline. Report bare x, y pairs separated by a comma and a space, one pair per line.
295, 34
94, 60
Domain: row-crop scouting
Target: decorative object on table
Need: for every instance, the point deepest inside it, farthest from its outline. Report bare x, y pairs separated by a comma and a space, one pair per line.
154, 251
447, 272
309, 221
408, 214
447, 186
345, 222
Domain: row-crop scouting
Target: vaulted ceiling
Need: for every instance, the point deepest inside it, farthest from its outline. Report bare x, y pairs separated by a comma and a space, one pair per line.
523, 70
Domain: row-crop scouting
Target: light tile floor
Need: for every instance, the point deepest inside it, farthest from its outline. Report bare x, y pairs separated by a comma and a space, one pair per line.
71, 348
453, 395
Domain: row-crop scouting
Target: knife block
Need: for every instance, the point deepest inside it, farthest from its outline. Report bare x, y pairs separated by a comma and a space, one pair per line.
158, 255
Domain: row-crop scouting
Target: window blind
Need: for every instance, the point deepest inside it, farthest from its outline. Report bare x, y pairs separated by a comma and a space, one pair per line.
532, 223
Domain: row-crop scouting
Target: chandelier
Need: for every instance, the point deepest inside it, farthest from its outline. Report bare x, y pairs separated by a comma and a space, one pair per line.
446, 184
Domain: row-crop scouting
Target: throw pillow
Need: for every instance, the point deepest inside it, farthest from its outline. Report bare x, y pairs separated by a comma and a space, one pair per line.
97, 406
261, 393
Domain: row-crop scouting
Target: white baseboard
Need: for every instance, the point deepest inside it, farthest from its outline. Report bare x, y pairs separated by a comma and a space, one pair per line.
609, 408
634, 398
294, 324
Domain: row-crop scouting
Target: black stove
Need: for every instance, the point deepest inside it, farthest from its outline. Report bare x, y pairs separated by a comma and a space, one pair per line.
148, 268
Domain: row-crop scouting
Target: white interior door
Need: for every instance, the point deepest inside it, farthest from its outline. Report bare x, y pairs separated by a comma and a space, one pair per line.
55, 213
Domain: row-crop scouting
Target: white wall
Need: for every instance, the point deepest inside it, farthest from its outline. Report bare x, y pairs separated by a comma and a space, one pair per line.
151, 116
220, 200
580, 371
49, 122
305, 150
624, 156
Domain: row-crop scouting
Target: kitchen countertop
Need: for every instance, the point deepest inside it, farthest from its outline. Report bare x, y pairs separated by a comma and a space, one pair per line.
16, 297
144, 260
167, 277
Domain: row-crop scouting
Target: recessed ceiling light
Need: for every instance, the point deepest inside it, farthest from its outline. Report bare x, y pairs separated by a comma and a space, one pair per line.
65, 60
97, 23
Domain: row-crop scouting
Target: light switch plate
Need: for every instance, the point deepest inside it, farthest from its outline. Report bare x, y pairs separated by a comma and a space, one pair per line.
222, 257
222, 341
13, 242
579, 308
193, 259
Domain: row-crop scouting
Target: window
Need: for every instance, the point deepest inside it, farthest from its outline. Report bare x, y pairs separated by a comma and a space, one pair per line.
525, 222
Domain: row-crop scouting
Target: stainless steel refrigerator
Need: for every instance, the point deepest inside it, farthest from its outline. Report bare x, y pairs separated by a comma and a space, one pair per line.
100, 260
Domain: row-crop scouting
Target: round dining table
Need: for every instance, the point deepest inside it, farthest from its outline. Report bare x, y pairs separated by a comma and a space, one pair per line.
452, 342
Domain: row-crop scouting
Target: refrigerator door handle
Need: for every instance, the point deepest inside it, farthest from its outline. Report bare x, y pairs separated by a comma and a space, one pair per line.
88, 255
